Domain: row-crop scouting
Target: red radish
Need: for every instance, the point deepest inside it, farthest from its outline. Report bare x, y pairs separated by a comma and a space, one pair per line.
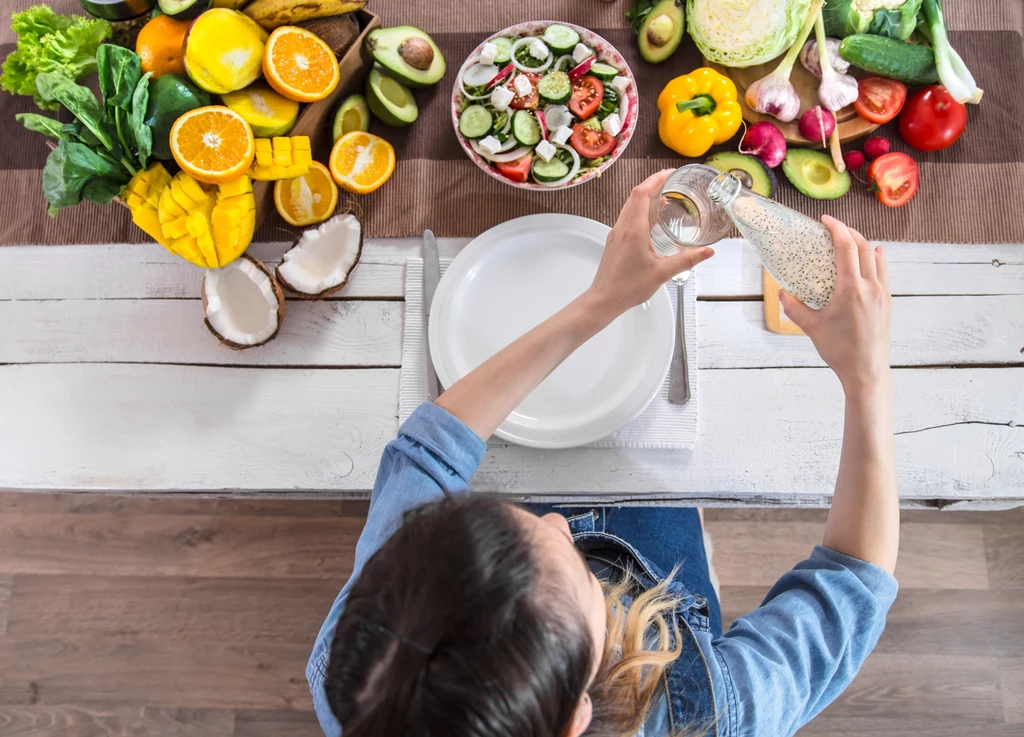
505, 71
876, 146
817, 124
854, 160
765, 141
582, 68
543, 123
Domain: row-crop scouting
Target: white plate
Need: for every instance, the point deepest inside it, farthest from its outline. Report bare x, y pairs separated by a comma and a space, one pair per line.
515, 276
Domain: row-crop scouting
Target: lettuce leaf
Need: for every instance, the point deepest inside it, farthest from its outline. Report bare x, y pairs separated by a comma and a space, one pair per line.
48, 42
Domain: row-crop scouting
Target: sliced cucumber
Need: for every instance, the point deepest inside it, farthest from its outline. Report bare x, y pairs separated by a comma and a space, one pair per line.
555, 87
476, 121
604, 72
525, 128
504, 55
549, 171
561, 39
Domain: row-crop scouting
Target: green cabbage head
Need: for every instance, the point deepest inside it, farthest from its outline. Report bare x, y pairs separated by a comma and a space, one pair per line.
742, 33
892, 18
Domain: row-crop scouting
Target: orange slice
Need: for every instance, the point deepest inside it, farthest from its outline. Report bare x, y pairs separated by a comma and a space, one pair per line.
300, 65
214, 144
308, 199
361, 162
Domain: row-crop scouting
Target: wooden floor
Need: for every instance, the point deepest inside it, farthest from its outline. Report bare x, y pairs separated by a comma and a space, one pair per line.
179, 617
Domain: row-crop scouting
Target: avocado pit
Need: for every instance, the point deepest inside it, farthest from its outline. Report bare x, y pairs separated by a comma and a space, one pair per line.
417, 53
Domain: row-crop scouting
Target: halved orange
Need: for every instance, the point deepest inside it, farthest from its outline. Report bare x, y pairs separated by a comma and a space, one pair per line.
300, 65
361, 162
308, 199
214, 144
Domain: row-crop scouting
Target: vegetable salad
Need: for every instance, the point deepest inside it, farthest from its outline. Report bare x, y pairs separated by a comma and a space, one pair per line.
542, 108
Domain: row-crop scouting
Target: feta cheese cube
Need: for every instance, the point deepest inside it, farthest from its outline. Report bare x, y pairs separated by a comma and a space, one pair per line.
620, 83
522, 85
487, 53
546, 150
490, 144
501, 96
562, 134
612, 125
580, 53
539, 50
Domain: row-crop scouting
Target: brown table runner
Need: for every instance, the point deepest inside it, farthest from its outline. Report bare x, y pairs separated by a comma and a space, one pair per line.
969, 193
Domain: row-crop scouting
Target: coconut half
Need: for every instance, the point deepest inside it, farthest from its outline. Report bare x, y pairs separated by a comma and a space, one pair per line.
244, 304
321, 260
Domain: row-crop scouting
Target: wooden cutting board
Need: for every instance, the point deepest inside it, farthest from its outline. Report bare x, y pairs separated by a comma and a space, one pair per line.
775, 319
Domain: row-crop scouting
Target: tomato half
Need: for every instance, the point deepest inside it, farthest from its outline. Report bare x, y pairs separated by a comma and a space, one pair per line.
526, 102
932, 120
896, 177
590, 143
587, 92
879, 99
517, 170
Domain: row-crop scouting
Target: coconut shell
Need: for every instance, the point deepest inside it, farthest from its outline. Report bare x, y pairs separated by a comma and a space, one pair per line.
338, 31
331, 290
280, 307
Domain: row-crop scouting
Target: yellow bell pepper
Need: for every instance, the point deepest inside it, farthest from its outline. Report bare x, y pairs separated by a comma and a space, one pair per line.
698, 111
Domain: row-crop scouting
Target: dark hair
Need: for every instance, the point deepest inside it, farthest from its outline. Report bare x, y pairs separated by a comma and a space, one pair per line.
449, 631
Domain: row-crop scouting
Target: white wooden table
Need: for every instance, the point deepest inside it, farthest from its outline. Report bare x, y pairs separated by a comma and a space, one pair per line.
110, 382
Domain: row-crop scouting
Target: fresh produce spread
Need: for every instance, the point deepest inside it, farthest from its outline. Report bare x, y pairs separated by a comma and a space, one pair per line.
545, 107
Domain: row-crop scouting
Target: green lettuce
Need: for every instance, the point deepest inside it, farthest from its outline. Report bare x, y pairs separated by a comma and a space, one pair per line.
48, 42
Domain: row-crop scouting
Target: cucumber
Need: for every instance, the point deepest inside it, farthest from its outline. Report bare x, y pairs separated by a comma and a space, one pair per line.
475, 122
906, 62
525, 128
604, 72
555, 87
561, 39
549, 171
504, 55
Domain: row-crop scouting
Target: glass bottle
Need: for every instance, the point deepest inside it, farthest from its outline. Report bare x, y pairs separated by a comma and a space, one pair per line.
796, 250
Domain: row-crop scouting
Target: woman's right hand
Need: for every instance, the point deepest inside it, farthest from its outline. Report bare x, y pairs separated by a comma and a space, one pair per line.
851, 333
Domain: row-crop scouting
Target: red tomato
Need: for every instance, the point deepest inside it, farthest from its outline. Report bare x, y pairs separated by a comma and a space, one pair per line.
528, 102
587, 92
896, 177
932, 119
880, 99
590, 143
517, 170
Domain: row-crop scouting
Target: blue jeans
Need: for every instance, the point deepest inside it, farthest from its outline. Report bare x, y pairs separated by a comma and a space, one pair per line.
666, 536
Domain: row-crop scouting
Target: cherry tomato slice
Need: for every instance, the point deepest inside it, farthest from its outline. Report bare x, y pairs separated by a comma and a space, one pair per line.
880, 99
587, 92
590, 143
526, 102
896, 177
932, 120
517, 170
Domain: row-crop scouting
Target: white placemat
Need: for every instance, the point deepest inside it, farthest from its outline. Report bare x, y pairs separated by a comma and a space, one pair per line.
661, 425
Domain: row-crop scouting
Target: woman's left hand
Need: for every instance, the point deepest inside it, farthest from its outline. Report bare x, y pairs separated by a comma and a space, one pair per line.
631, 271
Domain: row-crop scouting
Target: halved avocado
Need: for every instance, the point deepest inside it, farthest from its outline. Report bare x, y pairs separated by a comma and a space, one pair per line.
661, 30
353, 115
753, 173
183, 9
389, 99
814, 174
409, 55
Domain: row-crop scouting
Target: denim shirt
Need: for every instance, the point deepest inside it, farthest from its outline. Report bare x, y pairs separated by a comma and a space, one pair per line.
775, 669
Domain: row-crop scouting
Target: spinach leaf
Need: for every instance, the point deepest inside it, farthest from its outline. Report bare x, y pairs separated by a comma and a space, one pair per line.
103, 190
142, 133
69, 167
55, 86
42, 124
120, 70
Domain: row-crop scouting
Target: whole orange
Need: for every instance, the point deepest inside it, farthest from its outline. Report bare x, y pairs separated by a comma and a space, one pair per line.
161, 44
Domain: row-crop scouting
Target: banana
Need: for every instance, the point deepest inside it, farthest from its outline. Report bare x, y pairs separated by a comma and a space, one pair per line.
273, 13
231, 4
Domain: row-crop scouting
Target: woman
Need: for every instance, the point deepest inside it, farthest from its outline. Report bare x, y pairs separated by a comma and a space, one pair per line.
472, 617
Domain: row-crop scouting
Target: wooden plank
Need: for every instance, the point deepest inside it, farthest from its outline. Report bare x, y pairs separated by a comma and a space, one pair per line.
149, 271
341, 333
1005, 551
6, 582
276, 723
1011, 678
132, 427
97, 721
926, 331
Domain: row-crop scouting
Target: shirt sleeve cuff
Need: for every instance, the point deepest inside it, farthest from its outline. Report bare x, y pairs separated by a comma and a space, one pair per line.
446, 437
880, 582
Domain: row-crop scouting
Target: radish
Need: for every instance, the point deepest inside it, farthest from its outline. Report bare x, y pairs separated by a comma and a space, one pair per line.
854, 160
583, 67
765, 141
542, 121
817, 124
505, 71
876, 146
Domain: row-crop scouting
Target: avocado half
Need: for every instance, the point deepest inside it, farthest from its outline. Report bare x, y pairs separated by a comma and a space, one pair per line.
814, 174
753, 173
661, 30
389, 99
183, 9
409, 55
353, 115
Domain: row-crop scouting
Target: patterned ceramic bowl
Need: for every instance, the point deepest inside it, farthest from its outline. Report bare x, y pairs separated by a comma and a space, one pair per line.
604, 52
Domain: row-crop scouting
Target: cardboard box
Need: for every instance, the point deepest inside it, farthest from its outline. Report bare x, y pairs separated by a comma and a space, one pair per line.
317, 119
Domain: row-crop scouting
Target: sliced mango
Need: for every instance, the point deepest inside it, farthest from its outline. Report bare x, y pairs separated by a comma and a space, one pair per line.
281, 157
142, 195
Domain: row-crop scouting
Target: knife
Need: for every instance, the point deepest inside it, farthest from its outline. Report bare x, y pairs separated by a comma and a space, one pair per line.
431, 276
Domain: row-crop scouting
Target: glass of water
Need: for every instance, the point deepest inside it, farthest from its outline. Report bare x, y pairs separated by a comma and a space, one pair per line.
682, 214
